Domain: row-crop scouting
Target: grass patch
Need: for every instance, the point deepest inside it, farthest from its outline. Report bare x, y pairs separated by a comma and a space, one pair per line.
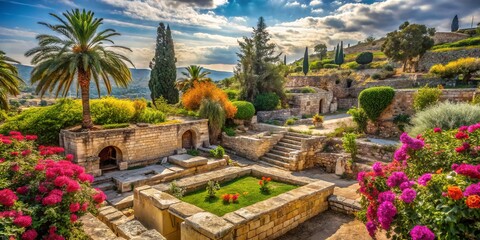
247, 187
115, 125
448, 49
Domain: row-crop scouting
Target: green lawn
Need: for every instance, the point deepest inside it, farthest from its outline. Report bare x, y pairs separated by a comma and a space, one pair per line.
248, 189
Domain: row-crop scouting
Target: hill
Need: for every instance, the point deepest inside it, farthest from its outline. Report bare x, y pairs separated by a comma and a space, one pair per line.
137, 89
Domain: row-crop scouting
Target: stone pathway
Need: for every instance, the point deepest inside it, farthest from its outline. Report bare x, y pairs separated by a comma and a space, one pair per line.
331, 122
383, 141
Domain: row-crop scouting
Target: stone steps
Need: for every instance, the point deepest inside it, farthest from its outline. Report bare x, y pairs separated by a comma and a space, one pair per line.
290, 141
278, 157
102, 179
105, 186
294, 138
284, 144
281, 153
298, 135
275, 163
284, 149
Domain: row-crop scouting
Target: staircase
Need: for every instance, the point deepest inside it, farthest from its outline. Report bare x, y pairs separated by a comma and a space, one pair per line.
104, 183
280, 155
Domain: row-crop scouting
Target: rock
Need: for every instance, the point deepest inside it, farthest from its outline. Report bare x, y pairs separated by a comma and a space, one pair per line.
210, 225
187, 161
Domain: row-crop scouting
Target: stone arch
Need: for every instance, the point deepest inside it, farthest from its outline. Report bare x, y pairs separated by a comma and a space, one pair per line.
109, 158
121, 151
194, 136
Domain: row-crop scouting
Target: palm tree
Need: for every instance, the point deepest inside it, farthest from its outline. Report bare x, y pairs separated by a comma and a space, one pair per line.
78, 51
9, 79
193, 74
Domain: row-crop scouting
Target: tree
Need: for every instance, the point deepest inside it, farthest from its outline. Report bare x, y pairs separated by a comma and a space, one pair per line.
305, 62
80, 51
285, 60
164, 72
409, 42
321, 50
339, 57
454, 25
364, 58
193, 74
336, 51
259, 68
9, 79
369, 40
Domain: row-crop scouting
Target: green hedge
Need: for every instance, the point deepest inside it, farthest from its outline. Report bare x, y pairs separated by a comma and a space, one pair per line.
364, 58
111, 110
475, 41
245, 110
426, 97
151, 115
232, 94
330, 65
115, 125
374, 100
266, 102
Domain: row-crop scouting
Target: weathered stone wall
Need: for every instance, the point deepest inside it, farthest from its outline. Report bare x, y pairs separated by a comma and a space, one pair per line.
307, 156
282, 114
135, 146
251, 147
347, 103
364, 47
431, 58
448, 37
312, 103
402, 103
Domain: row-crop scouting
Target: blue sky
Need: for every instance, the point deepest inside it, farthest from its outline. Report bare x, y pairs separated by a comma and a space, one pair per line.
206, 31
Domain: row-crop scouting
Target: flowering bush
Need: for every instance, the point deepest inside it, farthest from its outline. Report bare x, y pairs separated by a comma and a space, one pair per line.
431, 189
226, 197
192, 99
43, 194
264, 187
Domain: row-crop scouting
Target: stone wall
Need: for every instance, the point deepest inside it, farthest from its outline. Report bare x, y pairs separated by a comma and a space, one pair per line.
251, 147
135, 146
431, 58
402, 103
448, 37
364, 47
312, 103
282, 114
347, 103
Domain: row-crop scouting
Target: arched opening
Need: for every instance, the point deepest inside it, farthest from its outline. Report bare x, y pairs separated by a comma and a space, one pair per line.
109, 158
320, 110
187, 140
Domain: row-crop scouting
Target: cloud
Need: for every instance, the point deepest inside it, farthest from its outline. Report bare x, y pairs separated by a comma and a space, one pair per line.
14, 32
292, 4
317, 11
29, 5
127, 24
185, 12
69, 3
315, 2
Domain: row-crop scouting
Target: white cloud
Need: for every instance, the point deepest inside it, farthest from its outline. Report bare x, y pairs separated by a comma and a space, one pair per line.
69, 3
317, 11
315, 2
303, 6
127, 24
16, 32
337, 3
292, 4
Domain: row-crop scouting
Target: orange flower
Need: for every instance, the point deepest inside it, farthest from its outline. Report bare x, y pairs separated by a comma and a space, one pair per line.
263, 178
439, 171
260, 182
473, 201
192, 99
269, 179
455, 192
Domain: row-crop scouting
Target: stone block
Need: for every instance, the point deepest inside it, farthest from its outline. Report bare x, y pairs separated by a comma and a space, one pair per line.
210, 225
123, 166
149, 235
184, 210
131, 229
95, 229
187, 161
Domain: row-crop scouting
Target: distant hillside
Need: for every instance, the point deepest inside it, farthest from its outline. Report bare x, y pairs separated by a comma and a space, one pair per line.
138, 88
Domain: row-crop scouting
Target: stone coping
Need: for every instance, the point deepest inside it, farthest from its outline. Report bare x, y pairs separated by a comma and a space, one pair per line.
132, 128
187, 161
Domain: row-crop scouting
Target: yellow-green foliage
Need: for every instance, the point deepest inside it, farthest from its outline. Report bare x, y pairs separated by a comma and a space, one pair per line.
475, 41
110, 110
150, 115
464, 66
426, 97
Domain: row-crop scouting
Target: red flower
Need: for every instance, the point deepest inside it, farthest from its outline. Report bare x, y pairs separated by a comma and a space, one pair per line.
6, 141
461, 135
473, 201
85, 177
15, 167
22, 190
99, 197
84, 207
26, 152
7, 197
73, 186
226, 197
260, 182
269, 179
14, 154
235, 197
15, 133
51, 199
74, 207
29, 235
61, 181
455, 192
73, 218
437, 130
69, 157
23, 221
31, 137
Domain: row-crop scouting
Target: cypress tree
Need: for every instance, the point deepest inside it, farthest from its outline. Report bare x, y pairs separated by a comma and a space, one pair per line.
164, 71
285, 60
454, 25
341, 57
336, 59
305, 62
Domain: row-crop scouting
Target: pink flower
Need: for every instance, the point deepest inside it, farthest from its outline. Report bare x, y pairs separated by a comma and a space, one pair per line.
421, 233
15, 133
15, 167
74, 207
99, 197
29, 235
23, 221
73, 218
26, 152
69, 157
22, 190
84, 207
371, 228
73, 186
7, 197
85, 177
437, 130
31, 137
461, 135
6, 141
408, 195
51, 200
424, 179
61, 181
40, 167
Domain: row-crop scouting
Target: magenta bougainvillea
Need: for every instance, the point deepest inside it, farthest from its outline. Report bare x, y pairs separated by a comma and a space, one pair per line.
430, 190
43, 193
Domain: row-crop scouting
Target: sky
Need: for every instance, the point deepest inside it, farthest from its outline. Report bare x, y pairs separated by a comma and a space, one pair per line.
206, 32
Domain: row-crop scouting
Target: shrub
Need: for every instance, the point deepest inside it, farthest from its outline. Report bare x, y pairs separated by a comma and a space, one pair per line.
193, 98
317, 118
315, 65
266, 101
43, 103
423, 194
232, 94
402, 121
359, 117
374, 100
176, 190
364, 58
46, 122
212, 188
3, 116
376, 76
351, 65
150, 115
388, 67
426, 97
298, 69
139, 105
327, 61
307, 90
115, 125
349, 144
229, 131
42, 193
445, 115
290, 121
245, 110
462, 43
111, 110
329, 65
193, 152
218, 152
215, 114
462, 66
